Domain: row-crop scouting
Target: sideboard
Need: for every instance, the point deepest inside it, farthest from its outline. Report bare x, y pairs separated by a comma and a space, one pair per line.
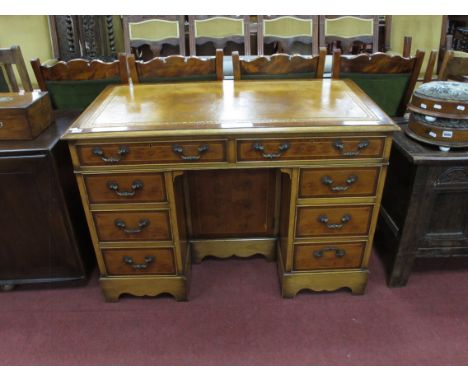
43, 238
424, 210
290, 169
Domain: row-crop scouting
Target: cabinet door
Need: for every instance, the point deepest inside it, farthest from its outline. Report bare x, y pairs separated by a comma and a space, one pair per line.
36, 240
444, 208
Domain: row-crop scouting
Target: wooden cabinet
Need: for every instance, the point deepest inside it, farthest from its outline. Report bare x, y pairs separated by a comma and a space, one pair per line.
122, 188
424, 208
43, 236
292, 170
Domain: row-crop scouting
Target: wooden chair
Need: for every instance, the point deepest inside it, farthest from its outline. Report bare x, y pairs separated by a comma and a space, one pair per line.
8, 58
219, 30
153, 31
407, 42
388, 80
73, 85
454, 66
429, 73
278, 66
4, 88
177, 69
286, 31
351, 34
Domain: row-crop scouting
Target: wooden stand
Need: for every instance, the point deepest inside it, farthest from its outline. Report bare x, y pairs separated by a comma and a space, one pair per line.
424, 208
43, 236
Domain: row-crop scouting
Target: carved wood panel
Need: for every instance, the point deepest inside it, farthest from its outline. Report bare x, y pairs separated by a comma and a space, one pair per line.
90, 37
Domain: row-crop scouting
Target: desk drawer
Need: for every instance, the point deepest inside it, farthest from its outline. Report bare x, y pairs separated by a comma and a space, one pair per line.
308, 257
152, 152
125, 188
306, 149
139, 261
132, 225
333, 221
321, 182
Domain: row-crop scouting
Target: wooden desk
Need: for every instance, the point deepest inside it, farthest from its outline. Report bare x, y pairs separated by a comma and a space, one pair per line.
292, 170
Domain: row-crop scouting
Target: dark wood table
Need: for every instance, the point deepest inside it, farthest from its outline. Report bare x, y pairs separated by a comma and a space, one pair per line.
43, 235
424, 209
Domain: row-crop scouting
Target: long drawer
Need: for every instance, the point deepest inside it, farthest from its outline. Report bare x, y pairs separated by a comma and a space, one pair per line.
338, 182
308, 257
307, 149
333, 220
124, 188
132, 225
152, 152
137, 261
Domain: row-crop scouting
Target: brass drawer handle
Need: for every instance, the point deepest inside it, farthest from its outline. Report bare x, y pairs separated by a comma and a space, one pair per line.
327, 181
143, 223
283, 147
123, 150
338, 252
180, 151
324, 220
338, 145
136, 185
129, 261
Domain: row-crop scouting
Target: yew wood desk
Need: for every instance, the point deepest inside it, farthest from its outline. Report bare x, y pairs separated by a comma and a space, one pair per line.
170, 173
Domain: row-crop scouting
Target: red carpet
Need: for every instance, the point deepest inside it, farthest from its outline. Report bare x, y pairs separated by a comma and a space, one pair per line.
237, 317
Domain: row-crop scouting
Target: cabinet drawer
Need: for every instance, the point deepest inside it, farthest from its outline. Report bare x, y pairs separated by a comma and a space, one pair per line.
336, 220
321, 182
307, 149
139, 261
124, 188
308, 257
132, 225
152, 152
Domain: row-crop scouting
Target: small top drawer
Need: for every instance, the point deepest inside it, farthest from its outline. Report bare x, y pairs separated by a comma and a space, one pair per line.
309, 148
331, 182
124, 188
152, 152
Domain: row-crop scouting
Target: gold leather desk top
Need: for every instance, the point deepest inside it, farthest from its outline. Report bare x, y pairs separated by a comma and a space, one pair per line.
230, 107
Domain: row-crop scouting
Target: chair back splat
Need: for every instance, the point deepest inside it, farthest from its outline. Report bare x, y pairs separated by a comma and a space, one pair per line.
220, 31
146, 36
350, 34
295, 34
